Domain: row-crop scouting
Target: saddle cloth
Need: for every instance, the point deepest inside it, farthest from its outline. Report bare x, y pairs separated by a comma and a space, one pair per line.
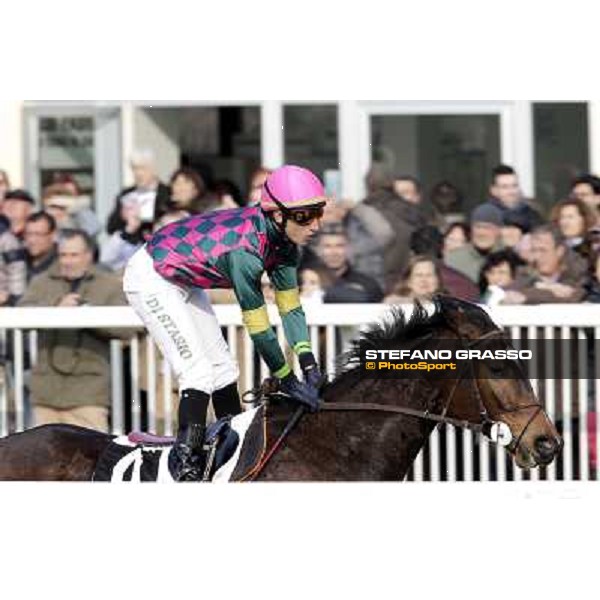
145, 458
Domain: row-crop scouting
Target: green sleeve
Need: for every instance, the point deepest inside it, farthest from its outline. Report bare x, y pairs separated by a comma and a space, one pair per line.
244, 270
285, 281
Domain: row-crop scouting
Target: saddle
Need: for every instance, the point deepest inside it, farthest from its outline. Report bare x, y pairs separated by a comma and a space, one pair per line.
235, 447
219, 429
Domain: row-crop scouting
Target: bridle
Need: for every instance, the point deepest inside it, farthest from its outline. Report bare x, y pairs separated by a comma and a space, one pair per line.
483, 427
486, 422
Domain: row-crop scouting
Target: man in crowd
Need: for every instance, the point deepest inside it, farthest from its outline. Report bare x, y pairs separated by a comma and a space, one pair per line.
404, 217
486, 221
557, 276
506, 196
408, 188
348, 284
40, 243
17, 206
368, 234
587, 189
71, 380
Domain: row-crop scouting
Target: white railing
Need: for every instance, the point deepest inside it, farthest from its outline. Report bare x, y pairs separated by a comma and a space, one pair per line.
144, 396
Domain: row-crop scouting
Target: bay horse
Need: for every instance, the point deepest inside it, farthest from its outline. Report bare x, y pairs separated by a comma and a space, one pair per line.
368, 429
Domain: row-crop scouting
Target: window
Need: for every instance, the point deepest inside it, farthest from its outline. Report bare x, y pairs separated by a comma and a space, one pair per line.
66, 148
220, 142
560, 132
311, 141
462, 149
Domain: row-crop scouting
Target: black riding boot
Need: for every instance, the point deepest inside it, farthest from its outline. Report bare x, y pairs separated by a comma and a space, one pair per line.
187, 459
226, 401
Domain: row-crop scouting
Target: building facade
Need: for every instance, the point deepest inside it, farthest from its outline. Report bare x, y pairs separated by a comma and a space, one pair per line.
458, 141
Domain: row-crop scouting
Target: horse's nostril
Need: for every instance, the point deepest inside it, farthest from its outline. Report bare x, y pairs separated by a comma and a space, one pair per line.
546, 447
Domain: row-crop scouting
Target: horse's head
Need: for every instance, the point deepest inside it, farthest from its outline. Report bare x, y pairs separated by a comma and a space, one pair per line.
500, 387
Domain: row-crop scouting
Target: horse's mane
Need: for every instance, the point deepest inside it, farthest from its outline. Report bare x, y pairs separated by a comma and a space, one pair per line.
395, 330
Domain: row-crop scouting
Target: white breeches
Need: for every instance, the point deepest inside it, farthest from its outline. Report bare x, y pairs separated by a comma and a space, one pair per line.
183, 324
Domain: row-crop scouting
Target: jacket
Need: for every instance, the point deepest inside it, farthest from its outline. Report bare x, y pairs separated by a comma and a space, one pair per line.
13, 269
573, 272
468, 260
353, 287
73, 367
369, 233
161, 205
404, 218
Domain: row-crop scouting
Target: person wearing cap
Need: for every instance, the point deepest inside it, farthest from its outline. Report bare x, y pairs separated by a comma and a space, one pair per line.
486, 221
166, 282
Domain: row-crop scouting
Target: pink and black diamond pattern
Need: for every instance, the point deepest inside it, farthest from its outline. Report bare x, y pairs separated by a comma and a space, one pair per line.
186, 250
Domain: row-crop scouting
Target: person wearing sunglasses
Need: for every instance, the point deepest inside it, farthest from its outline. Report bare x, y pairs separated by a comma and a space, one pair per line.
165, 283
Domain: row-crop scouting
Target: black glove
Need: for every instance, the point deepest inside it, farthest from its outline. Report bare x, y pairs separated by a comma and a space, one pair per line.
304, 393
310, 370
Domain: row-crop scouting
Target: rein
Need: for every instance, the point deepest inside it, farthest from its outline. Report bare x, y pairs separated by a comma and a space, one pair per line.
421, 414
425, 414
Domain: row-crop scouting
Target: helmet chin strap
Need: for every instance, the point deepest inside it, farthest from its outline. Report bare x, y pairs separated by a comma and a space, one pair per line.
285, 212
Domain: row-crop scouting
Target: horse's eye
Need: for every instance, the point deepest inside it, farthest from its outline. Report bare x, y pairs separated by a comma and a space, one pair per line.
496, 366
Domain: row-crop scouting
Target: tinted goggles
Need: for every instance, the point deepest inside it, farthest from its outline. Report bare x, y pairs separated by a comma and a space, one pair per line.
305, 216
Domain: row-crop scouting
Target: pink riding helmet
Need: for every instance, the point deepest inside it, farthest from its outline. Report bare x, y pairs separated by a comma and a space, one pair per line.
293, 186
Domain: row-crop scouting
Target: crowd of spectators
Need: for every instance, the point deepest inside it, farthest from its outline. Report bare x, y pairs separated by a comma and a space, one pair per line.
397, 244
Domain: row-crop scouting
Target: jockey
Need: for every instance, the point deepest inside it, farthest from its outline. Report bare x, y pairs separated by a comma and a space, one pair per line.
165, 281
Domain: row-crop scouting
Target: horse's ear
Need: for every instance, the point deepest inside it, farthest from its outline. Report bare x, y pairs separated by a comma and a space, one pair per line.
456, 313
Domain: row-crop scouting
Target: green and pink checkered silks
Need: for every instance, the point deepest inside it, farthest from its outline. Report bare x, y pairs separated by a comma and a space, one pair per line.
185, 251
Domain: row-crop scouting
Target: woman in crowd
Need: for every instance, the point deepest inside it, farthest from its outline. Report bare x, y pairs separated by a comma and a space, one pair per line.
420, 281
497, 273
189, 193
574, 218
457, 235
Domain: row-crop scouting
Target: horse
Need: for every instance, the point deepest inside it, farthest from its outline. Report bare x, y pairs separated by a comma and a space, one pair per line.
368, 429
